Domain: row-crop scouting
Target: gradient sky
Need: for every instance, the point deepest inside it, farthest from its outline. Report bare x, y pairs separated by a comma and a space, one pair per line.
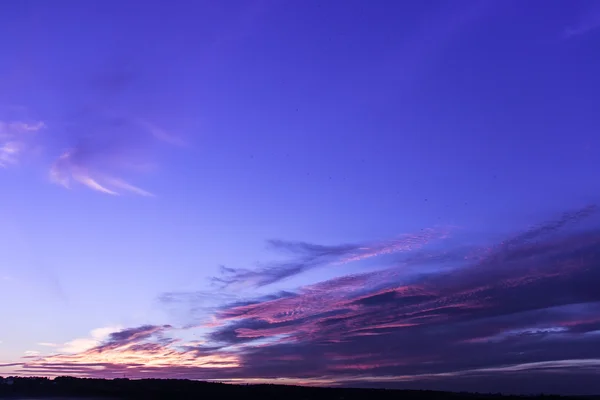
361, 193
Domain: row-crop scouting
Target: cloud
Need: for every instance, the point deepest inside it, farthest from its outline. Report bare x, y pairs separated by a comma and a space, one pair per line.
4, 365
47, 344
161, 134
102, 147
131, 335
527, 307
15, 139
143, 350
191, 307
528, 304
72, 167
93, 148
307, 256
588, 22
82, 344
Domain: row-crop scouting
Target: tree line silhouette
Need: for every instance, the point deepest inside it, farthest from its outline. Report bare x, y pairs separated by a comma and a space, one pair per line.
122, 388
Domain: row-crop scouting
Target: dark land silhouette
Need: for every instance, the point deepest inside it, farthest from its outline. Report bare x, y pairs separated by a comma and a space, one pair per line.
69, 387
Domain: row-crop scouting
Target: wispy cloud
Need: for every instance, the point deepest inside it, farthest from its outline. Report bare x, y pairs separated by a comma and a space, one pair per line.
71, 167
94, 149
307, 256
161, 134
15, 139
112, 145
589, 22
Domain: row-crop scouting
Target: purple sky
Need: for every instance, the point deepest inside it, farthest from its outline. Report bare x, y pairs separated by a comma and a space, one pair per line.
363, 193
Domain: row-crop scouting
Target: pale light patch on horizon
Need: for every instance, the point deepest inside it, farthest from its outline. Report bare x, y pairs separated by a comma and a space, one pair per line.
100, 350
136, 353
95, 339
47, 344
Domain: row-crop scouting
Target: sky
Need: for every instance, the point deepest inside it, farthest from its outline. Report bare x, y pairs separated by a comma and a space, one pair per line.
340, 193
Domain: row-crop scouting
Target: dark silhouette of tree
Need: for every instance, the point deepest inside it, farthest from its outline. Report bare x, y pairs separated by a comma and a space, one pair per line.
123, 388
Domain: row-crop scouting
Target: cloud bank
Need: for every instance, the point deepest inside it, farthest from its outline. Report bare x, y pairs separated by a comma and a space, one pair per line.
523, 312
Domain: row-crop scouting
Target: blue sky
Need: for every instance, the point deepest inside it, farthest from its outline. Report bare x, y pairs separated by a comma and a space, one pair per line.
163, 166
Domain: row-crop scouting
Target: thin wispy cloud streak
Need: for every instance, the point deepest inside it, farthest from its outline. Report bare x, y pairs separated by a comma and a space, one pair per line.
307, 256
161, 134
71, 166
531, 306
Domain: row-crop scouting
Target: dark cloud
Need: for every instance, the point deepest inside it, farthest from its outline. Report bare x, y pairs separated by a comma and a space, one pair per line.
135, 334
311, 250
10, 365
532, 299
